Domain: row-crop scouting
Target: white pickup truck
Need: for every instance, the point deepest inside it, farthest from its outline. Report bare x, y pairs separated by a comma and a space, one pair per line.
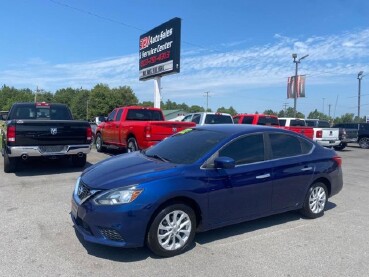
203, 118
323, 133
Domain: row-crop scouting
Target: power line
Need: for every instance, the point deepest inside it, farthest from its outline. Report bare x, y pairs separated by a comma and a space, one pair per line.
96, 15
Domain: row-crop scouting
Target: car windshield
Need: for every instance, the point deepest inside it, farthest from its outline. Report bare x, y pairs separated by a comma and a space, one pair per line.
186, 147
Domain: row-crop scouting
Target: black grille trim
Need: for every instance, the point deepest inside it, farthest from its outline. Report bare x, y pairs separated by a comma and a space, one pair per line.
111, 234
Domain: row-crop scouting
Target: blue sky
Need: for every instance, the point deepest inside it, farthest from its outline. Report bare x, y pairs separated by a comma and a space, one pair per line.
239, 51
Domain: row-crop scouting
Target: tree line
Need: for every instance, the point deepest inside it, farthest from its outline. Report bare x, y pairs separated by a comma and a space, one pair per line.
101, 99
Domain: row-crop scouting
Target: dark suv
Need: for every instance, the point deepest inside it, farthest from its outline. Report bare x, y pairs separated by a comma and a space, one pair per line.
361, 129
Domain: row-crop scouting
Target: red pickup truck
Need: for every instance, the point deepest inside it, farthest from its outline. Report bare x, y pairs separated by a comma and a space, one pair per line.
272, 120
135, 127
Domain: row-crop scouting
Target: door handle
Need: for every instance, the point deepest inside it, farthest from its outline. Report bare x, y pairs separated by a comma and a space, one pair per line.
306, 168
267, 175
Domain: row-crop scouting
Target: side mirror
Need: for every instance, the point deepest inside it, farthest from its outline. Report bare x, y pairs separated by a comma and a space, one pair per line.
224, 163
3, 117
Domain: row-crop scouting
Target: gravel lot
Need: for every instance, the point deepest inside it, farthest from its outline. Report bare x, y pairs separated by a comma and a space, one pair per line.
37, 237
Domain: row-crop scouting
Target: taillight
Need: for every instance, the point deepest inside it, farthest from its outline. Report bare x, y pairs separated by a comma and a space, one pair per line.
11, 134
319, 134
147, 132
89, 133
338, 160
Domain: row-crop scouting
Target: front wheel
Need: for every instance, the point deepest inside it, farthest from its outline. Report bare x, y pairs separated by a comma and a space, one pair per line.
10, 164
315, 201
364, 143
172, 230
132, 145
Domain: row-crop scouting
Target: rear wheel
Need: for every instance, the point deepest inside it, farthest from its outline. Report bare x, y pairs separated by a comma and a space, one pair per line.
364, 143
172, 230
315, 201
99, 143
132, 145
10, 164
341, 146
79, 161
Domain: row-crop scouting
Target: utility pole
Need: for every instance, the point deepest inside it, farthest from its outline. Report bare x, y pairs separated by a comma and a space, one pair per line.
329, 110
88, 100
359, 77
207, 100
285, 105
36, 94
294, 56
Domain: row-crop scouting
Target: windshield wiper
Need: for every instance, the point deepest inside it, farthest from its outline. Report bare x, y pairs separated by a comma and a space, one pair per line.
158, 157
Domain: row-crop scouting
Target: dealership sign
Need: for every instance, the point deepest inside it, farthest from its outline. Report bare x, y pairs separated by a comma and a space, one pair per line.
160, 50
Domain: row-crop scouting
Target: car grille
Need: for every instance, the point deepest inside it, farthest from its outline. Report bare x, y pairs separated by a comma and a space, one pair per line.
83, 191
51, 148
111, 234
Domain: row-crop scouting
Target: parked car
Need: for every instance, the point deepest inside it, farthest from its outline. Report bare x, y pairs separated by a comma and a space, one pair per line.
360, 129
44, 130
203, 118
200, 179
134, 128
324, 134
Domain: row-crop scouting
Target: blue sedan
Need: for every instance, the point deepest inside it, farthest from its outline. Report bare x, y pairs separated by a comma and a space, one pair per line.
200, 179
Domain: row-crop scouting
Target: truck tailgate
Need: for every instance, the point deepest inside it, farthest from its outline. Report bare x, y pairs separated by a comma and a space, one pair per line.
330, 134
50, 132
162, 129
306, 131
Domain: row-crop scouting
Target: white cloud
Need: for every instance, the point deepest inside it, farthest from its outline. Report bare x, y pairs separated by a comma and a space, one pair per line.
332, 60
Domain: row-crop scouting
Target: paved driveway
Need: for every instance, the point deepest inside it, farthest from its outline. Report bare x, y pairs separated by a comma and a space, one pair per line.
37, 237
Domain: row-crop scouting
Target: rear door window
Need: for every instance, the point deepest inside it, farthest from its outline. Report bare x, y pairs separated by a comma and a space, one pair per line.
285, 145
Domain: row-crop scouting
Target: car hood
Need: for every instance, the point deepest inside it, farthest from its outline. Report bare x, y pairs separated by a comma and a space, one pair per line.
125, 170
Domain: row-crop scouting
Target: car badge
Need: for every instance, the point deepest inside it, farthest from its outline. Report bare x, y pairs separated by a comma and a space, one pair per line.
53, 131
80, 190
174, 130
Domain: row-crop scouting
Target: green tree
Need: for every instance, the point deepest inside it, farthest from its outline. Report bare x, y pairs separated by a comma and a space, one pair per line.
345, 118
195, 109
80, 105
99, 101
318, 115
229, 110
271, 112
65, 96
289, 112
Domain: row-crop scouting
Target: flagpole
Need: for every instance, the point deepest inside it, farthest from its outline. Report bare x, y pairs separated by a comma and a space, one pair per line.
295, 90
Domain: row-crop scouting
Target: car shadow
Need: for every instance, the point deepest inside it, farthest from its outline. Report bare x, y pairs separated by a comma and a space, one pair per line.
35, 167
138, 254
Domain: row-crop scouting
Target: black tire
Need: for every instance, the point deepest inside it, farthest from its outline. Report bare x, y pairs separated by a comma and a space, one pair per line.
364, 143
10, 164
132, 145
315, 201
79, 161
166, 242
99, 143
341, 146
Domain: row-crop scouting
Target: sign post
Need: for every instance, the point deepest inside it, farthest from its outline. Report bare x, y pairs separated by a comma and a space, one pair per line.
159, 54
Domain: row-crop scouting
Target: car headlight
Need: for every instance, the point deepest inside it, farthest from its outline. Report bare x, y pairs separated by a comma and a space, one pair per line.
117, 196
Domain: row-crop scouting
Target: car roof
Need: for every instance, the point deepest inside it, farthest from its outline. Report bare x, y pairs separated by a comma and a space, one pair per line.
237, 129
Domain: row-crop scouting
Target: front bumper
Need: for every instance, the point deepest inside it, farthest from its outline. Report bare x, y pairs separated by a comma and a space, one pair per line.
41, 151
119, 226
